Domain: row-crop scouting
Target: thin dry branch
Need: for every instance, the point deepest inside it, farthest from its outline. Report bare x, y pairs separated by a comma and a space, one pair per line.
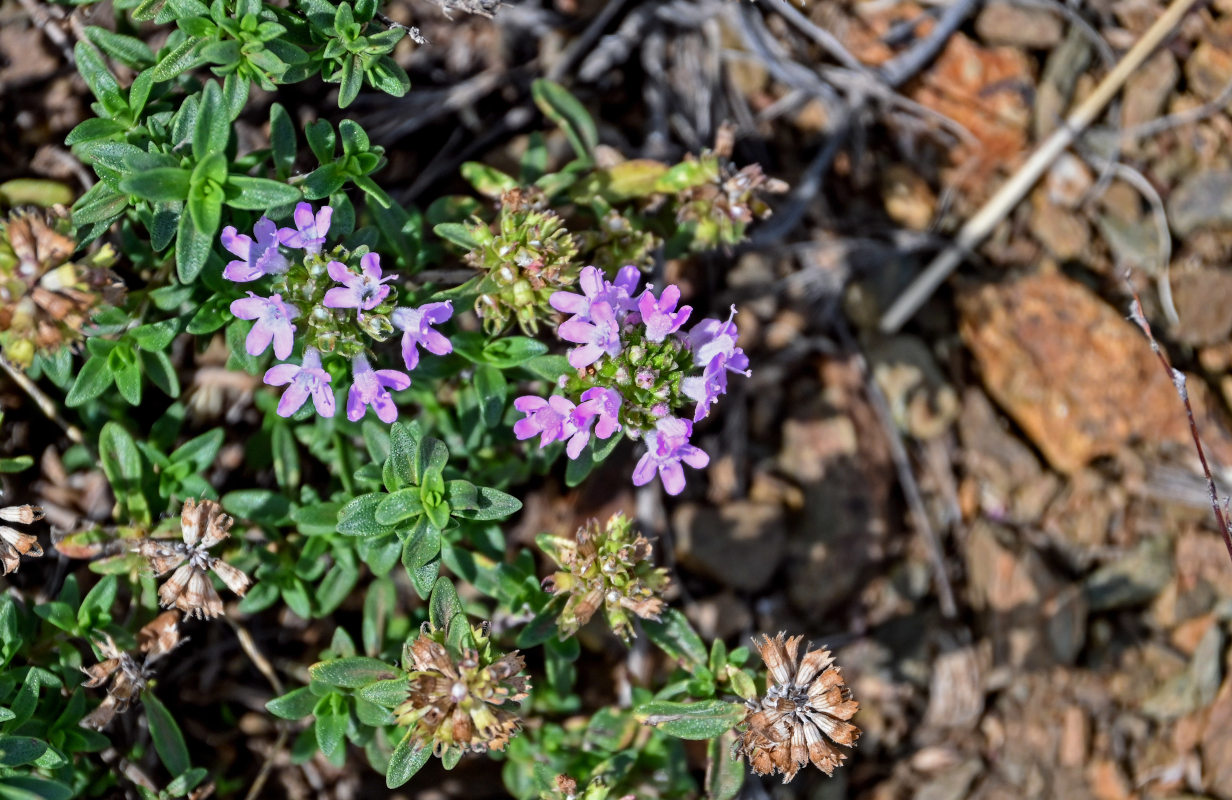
1182, 389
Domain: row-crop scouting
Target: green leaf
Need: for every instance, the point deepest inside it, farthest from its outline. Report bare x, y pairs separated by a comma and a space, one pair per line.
405, 761
562, 108
121, 462
401, 505
430, 458
491, 386
350, 80
493, 504
168, 740
98, 77
192, 248
321, 140
259, 194
159, 185
331, 724
127, 371
96, 607
512, 351
444, 604
676, 637
16, 464
213, 124
156, 335
421, 547
177, 60
386, 694
703, 720
200, 451
159, 370
352, 672
282, 140
724, 775
128, 50
317, 520
262, 506
295, 704
456, 232
18, 750
92, 381
358, 517
488, 181
32, 787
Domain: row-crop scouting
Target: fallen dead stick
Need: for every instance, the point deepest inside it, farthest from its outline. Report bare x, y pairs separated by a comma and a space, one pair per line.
1014, 189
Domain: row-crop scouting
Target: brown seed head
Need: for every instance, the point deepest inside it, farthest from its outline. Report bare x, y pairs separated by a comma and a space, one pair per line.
803, 714
461, 698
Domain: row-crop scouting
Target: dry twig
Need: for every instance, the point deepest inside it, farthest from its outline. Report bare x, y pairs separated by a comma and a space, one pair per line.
1014, 189
1182, 389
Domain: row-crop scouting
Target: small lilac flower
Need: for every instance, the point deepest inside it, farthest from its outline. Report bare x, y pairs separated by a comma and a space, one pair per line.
597, 289
598, 403
660, 316
364, 291
710, 337
273, 323
551, 419
309, 379
415, 326
606, 406
309, 231
598, 336
666, 446
256, 258
371, 388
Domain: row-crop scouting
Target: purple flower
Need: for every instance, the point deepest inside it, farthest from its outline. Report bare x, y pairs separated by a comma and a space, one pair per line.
598, 403
605, 404
598, 336
710, 338
364, 291
660, 316
596, 289
273, 323
309, 231
551, 420
256, 258
371, 388
305, 380
415, 326
666, 446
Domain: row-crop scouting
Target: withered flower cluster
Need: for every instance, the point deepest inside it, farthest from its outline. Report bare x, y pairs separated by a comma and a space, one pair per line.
189, 589
122, 673
13, 543
605, 565
461, 698
802, 716
526, 258
45, 298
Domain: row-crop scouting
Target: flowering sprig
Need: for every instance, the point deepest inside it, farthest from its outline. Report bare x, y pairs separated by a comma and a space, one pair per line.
338, 303
638, 369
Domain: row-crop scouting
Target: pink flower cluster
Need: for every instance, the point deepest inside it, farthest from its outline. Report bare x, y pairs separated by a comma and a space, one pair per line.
614, 329
260, 255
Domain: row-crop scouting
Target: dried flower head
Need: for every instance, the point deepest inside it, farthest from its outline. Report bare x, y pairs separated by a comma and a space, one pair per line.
803, 715
13, 543
45, 298
189, 589
566, 788
527, 258
460, 696
605, 565
125, 676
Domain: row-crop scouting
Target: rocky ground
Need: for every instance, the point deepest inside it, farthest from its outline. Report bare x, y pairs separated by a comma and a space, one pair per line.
996, 517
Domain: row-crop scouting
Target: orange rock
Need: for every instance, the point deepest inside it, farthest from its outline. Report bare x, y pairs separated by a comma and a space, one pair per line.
1078, 377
